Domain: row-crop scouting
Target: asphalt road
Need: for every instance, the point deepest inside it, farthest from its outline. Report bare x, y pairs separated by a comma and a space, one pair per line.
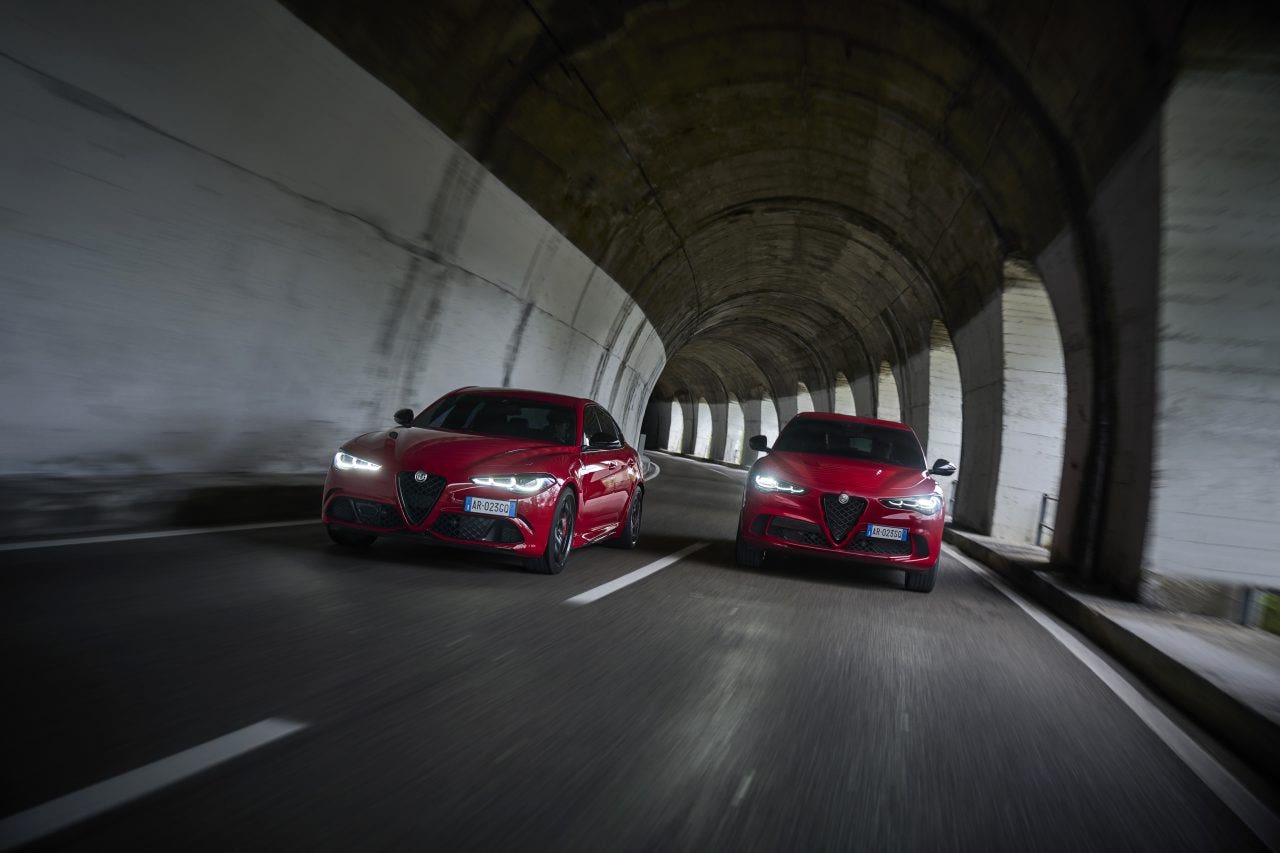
452, 701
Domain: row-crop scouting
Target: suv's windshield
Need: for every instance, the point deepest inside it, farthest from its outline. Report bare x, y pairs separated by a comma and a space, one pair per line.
514, 417
852, 440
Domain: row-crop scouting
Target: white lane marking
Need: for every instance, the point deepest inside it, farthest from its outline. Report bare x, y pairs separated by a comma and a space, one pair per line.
631, 577
153, 534
56, 815
1252, 811
651, 469
743, 787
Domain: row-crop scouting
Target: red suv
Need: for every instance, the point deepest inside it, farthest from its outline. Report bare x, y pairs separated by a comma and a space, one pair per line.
524, 473
841, 486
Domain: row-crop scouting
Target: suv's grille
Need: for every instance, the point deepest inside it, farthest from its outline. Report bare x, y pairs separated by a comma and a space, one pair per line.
841, 518
802, 532
418, 498
477, 528
883, 547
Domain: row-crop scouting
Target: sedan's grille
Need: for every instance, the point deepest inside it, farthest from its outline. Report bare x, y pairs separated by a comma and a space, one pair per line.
368, 513
841, 518
419, 497
882, 547
800, 532
477, 528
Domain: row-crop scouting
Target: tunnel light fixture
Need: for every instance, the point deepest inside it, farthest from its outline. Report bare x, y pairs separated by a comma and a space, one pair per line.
344, 461
525, 484
923, 504
767, 483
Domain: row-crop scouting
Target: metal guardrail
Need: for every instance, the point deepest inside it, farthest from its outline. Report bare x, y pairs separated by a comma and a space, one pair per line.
1041, 524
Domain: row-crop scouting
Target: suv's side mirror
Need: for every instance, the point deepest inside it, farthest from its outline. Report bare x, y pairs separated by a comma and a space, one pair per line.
942, 468
758, 442
404, 417
604, 441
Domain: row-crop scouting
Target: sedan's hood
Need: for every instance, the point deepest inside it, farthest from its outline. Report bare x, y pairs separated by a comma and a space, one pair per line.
455, 454
834, 474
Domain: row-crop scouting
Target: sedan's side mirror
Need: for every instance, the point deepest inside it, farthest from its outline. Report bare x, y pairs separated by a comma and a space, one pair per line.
758, 442
604, 441
942, 468
404, 417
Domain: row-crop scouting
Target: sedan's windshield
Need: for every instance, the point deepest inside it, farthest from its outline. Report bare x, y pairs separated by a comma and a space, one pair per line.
852, 440
513, 417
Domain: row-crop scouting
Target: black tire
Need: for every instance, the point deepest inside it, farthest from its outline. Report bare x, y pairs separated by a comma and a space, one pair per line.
559, 537
747, 556
630, 534
348, 537
922, 581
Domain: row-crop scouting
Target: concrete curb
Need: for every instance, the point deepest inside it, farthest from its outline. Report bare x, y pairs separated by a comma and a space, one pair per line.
1253, 736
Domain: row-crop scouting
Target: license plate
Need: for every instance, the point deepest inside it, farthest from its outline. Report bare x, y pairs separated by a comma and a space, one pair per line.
488, 506
879, 531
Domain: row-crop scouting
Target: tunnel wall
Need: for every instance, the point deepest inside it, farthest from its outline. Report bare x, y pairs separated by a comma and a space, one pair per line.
1218, 416
228, 248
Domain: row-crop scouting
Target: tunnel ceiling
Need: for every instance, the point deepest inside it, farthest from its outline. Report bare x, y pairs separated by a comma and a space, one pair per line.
779, 184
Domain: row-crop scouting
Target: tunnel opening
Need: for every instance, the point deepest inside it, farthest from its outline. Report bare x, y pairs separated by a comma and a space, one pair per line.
675, 433
946, 406
842, 395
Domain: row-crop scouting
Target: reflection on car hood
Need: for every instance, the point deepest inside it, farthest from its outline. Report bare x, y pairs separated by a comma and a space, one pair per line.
457, 455
833, 474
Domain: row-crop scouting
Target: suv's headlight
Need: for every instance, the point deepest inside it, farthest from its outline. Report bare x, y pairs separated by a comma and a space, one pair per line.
344, 461
525, 484
767, 483
923, 504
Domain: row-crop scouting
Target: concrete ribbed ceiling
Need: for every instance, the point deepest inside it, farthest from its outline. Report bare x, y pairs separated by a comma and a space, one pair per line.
779, 184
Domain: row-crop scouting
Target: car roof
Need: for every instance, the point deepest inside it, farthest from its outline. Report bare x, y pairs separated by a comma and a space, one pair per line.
526, 394
832, 416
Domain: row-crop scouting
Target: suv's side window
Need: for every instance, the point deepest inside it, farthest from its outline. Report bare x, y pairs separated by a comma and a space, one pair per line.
590, 424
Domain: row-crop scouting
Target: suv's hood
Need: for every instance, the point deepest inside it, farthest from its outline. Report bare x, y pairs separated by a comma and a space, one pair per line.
456, 455
833, 474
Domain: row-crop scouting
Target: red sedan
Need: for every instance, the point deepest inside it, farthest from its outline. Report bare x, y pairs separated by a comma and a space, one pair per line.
515, 472
841, 486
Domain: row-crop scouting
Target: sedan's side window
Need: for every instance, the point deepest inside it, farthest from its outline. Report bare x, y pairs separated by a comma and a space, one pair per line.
590, 424
609, 425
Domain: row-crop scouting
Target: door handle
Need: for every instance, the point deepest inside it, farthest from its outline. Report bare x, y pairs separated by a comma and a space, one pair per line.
612, 464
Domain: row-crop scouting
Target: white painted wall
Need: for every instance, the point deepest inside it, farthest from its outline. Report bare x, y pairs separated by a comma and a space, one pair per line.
1034, 420
888, 402
702, 442
946, 400
843, 396
1215, 492
675, 438
768, 419
227, 247
735, 432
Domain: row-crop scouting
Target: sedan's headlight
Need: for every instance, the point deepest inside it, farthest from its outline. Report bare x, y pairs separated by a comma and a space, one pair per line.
344, 461
525, 484
923, 504
767, 483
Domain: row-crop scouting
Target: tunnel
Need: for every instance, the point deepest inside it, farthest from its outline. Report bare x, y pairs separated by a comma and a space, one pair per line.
1042, 235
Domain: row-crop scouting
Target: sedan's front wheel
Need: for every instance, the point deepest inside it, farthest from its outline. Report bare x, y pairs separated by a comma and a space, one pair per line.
350, 538
922, 581
751, 558
559, 537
